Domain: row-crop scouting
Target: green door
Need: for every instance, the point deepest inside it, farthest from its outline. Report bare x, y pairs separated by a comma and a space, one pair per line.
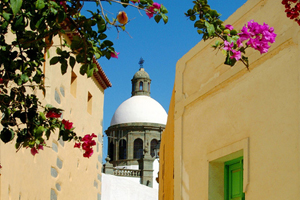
233, 189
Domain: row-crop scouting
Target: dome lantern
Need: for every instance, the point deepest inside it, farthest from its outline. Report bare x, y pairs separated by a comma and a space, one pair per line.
141, 81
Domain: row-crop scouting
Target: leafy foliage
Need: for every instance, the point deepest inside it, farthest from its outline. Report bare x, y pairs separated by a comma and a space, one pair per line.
34, 24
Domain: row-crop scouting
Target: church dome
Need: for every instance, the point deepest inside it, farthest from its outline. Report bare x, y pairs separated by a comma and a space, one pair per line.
140, 108
141, 74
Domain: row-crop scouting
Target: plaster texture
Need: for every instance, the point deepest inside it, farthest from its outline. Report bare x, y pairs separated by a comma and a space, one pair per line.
224, 112
59, 171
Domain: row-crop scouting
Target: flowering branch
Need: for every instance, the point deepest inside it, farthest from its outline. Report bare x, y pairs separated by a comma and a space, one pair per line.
234, 43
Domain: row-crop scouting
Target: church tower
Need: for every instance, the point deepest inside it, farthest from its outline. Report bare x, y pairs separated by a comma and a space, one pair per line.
134, 132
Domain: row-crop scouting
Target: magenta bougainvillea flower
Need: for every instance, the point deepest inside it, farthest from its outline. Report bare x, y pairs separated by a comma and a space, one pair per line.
33, 151
152, 9
228, 26
87, 143
228, 46
235, 55
77, 145
135, 1
258, 36
52, 114
114, 54
68, 125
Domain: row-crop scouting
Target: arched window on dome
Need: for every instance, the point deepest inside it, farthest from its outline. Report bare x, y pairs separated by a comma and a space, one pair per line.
122, 149
111, 151
133, 87
138, 148
154, 142
148, 87
141, 86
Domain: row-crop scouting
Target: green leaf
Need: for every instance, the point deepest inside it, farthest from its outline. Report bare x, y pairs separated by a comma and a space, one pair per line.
39, 4
157, 18
24, 78
72, 61
165, 18
16, 5
210, 28
38, 132
64, 66
90, 70
193, 17
163, 9
228, 60
42, 116
54, 60
6, 16
102, 36
61, 17
199, 24
83, 69
199, 31
7, 135
108, 43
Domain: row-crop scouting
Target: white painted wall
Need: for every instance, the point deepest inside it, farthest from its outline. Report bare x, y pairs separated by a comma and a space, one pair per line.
119, 188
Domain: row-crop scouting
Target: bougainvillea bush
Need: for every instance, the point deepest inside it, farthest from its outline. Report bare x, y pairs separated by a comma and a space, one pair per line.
33, 25
233, 43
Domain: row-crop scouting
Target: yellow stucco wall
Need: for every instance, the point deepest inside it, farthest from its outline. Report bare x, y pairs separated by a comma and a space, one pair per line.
59, 168
222, 113
166, 156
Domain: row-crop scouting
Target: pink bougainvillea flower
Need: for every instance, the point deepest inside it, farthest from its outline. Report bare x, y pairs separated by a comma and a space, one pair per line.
1, 80
114, 54
152, 9
236, 55
135, 1
88, 153
40, 147
33, 151
77, 145
68, 125
244, 35
228, 26
87, 143
52, 114
228, 46
258, 36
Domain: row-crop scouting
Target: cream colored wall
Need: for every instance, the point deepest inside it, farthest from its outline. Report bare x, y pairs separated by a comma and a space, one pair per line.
34, 177
220, 110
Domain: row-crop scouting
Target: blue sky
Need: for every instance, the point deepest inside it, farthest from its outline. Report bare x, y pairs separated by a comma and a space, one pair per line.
161, 46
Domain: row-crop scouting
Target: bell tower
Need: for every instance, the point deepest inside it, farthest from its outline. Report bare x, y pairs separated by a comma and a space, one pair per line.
141, 81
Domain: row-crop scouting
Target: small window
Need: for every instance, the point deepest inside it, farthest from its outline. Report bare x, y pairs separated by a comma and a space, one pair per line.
141, 86
89, 103
73, 84
233, 179
148, 87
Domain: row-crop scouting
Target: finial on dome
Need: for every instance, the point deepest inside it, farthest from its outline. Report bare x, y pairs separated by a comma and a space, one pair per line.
141, 62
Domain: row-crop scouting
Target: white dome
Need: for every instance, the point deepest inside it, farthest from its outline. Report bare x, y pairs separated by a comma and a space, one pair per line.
140, 108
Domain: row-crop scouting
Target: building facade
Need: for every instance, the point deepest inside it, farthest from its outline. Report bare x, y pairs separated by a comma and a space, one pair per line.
60, 171
236, 132
135, 131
